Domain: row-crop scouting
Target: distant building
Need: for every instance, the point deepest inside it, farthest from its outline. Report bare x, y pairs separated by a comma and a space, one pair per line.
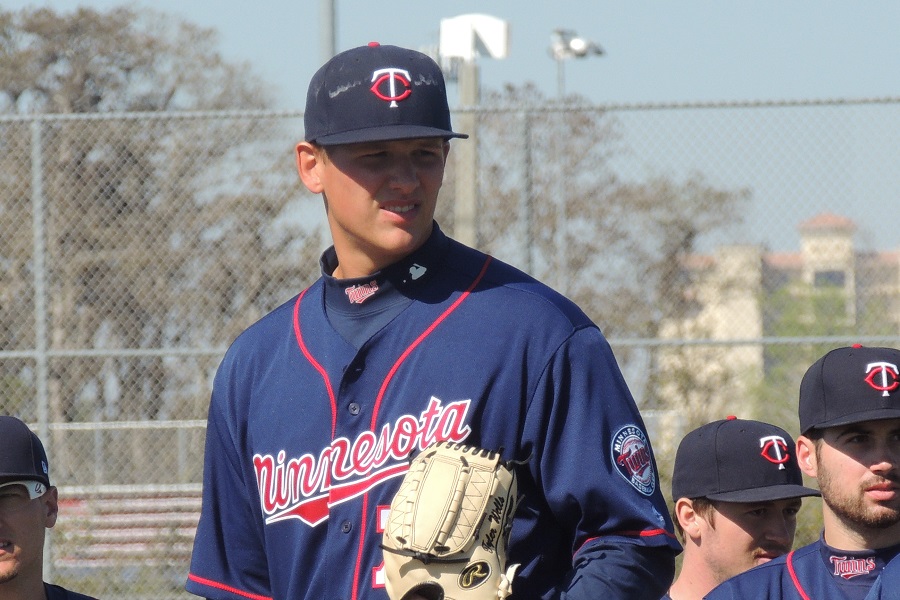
738, 295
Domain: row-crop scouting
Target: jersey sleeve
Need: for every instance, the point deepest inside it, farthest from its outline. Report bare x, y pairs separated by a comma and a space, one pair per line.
228, 560
888, 583
595, 468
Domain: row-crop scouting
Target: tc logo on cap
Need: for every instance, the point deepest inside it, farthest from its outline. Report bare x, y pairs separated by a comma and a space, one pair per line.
883, 376
391, 77
774, 450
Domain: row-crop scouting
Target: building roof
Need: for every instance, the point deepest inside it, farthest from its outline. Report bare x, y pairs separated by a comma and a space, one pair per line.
827, 221
784, 261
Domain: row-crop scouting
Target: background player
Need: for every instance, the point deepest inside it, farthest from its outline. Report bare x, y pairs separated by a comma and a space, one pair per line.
850, 419
408, 338
737, 490
28, 507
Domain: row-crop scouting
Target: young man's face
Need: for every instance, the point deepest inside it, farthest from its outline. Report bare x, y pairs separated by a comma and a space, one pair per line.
738, 536
380, 197
23, 523
858, 469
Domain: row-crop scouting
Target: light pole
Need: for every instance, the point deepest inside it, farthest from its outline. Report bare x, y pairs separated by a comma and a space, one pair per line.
566, 44
463, 40
327, 29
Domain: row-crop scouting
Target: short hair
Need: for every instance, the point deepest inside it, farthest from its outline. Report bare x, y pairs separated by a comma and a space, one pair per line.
815, 434
703, 506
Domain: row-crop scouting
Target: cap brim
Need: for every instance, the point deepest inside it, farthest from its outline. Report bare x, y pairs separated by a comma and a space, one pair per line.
384, 134
880, 414
765, 494
7, 478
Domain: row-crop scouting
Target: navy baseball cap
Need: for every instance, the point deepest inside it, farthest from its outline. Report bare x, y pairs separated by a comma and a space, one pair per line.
22, 456
376, 93
738, 460
850, 385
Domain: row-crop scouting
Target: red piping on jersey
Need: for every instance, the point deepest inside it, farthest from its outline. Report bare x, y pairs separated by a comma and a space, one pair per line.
314, 363
790, 566
378, 399
419, 339
647, 533
227, 588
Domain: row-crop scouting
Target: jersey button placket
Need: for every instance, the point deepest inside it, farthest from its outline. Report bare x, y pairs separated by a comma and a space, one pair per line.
353, 408
354, 370
346, 527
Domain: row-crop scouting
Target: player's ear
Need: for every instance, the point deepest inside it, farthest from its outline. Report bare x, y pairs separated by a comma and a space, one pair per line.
687, 517
309, 158
806, 456
51, 506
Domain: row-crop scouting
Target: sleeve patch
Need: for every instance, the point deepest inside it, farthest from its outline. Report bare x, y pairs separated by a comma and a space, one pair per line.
630, 453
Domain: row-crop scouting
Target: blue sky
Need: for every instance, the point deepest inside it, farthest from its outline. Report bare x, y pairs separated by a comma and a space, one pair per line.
656, 52
685, 51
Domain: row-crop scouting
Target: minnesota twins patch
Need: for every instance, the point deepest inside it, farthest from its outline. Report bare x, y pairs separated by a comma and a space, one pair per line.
631, 456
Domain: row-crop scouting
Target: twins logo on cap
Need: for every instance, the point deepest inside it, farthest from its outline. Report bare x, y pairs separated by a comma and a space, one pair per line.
392, 77
883, 376
774, 450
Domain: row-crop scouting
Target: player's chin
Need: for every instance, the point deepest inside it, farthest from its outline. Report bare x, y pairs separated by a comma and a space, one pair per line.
764, 556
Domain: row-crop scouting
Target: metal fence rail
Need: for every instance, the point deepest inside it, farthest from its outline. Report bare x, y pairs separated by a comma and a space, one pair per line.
135, 247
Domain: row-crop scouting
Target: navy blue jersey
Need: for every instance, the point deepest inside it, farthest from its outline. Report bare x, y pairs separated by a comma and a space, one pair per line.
308, 438
887, 587
811, 572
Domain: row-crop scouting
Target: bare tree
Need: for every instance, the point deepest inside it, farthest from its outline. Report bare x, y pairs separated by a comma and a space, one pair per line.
615, 247
136, 209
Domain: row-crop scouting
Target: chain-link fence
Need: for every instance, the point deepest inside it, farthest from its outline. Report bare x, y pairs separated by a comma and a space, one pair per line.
722, 248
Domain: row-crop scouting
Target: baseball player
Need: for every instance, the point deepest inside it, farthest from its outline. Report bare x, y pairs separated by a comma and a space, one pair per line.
409, 338
737, 490
850, 442
28, 507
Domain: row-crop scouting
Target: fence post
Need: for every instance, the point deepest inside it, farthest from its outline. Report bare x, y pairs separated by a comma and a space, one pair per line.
465, 226
526, 207
41, 368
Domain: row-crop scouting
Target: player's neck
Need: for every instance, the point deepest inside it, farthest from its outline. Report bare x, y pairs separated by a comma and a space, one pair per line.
23, 588
353, 265
693, 582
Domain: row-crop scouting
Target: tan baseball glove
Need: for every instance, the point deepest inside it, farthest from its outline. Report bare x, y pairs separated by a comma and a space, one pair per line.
449, 525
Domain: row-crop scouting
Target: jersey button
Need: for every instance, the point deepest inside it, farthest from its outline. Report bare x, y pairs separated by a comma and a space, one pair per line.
353, 408
346, 526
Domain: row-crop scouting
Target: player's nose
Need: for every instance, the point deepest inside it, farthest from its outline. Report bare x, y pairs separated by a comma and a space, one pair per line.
885, 458
781, 531
403, 173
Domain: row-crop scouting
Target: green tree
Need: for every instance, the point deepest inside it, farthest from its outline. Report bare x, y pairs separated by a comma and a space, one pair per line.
798, 311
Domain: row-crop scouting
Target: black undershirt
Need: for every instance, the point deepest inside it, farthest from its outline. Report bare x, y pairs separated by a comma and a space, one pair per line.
359, 307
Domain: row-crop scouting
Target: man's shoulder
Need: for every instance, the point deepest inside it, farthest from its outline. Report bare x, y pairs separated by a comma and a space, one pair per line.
55, 592
768, 576
510, 289
888, 584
